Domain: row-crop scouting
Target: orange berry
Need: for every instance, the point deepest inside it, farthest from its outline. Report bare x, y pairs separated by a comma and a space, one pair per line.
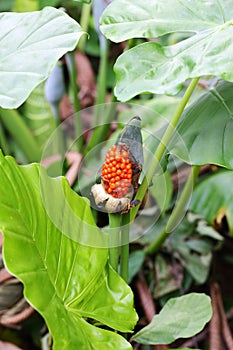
117, 171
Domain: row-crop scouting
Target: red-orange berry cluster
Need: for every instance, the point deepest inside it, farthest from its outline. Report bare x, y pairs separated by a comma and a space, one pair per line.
117, 171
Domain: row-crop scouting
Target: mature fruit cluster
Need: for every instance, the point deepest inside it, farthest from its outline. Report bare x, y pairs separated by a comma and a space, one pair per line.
117, 171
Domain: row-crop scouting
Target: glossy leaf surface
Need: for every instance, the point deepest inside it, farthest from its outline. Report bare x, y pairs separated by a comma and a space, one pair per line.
65, 281
205, 132
151, 67
181, 317
124, 19
31, 44
212, 198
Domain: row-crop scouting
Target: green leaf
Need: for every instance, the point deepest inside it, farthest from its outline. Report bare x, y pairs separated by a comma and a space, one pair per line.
151, 67
17, 128
194, 248
6, 5
43, 3
161, 190
205, 132
31, 44
167, 280
25, 5
181, 317
136, 260
38, 116
124, 20
217, 190
66, 282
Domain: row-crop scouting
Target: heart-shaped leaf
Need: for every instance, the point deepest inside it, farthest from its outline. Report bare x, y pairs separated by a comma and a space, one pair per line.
31, 44
151, 67
67, 282
205, 133
124, 19
181, 317
215, 190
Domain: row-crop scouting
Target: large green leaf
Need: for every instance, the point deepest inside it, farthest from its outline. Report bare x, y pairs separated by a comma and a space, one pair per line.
181, 317
151, 67
31, 44
67, 282
124, 19
213, 197
205, 133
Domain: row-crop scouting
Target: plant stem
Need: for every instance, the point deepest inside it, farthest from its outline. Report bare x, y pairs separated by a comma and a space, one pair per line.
114, 243
124, 262
101, 84
84, 20
177, 213
3, 141
162, 146
14, 123
70, 59
59, 133
183, 201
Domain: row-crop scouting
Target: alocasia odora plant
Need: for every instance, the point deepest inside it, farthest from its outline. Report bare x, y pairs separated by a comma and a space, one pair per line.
71, 284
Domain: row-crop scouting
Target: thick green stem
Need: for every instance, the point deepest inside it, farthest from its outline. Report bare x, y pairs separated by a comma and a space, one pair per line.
114, 239
177, 213
14, 123
124, 262
163, 145
84, 21
70, 59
